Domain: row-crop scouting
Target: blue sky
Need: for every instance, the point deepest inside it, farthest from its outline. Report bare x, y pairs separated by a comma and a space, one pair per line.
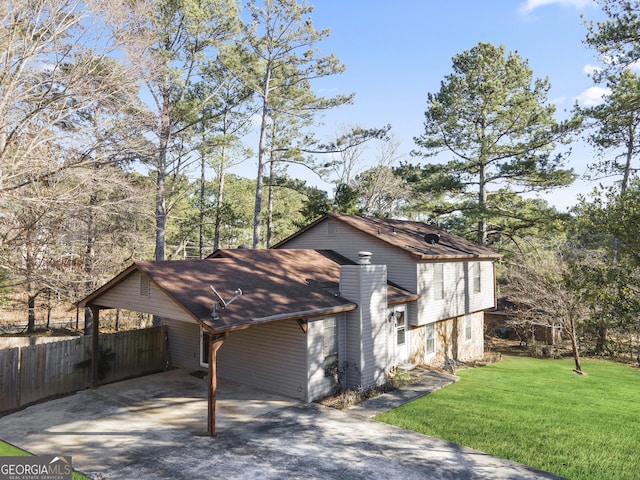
398, 51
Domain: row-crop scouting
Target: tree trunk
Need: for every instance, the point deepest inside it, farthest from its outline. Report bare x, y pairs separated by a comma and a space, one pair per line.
220, 194
257, 212
31, 308
48, 308
629, 158
219, 200
601, 341
574, 343
272, 166
161, 206
482, 203
262, 146
270, 208
201, 205
89, 260
161, 214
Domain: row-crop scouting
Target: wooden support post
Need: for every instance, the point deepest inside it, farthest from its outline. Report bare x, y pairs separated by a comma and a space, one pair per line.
215, 342
95, 345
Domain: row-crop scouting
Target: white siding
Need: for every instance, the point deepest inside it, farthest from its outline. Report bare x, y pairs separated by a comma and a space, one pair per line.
347, 241
271, 357
366, 328
459, 296
128, 295
184, 344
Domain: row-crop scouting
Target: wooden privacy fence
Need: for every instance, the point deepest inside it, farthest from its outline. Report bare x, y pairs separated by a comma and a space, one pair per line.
36, 372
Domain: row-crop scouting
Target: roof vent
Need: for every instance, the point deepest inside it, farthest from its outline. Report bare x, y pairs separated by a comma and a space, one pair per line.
432, 238
364, 258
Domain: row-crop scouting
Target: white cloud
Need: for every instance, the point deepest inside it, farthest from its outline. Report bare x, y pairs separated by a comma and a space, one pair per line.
593, 96
530, 5
589, 69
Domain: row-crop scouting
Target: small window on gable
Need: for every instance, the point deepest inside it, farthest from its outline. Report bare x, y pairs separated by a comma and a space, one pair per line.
145, 286
477, 286
332, 229
430, 337
438, 281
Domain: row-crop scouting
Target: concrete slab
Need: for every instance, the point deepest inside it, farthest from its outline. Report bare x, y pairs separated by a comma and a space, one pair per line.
154, 427
430, 381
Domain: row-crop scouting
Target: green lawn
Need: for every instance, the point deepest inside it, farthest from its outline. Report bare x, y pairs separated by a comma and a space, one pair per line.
7, 450
539, 413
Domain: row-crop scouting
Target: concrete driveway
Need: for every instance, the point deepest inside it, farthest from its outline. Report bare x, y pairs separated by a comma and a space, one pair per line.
154, 427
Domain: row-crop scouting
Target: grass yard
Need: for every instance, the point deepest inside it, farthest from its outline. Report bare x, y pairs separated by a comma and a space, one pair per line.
539, 413
7, 450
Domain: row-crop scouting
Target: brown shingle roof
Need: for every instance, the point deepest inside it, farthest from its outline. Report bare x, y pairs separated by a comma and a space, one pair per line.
274, 287
275, 284
319, 273
416, 238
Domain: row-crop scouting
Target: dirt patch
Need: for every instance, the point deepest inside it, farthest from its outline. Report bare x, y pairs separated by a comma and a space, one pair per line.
52, 332
349, 397
502, 346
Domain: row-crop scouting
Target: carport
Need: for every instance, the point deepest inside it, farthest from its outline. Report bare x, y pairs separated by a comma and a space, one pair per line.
272, 286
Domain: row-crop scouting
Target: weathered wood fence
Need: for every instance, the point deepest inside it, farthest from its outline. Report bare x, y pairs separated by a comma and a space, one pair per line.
36, 372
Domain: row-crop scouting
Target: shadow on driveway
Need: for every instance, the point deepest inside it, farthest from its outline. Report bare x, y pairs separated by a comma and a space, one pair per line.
154, 427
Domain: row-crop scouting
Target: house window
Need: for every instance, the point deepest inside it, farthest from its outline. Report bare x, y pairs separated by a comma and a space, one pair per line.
332, 229
430, 336
476, 277
204, 348
467, 328
330, 347
401, 328
438, 281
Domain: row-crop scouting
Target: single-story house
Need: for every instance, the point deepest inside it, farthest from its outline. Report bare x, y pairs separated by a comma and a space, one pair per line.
302, 321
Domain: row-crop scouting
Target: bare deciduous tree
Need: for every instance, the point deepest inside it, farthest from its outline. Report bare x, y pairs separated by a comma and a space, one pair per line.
54, 75
538, 283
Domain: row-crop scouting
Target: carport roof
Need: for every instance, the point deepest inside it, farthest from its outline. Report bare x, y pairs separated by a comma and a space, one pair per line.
275, 284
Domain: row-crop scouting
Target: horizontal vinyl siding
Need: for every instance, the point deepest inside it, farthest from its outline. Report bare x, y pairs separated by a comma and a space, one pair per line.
184, 344
352, 360
374, 331
321, 386
459, 297
127, 295
367, 340
350, 287
347, 241
270, 357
